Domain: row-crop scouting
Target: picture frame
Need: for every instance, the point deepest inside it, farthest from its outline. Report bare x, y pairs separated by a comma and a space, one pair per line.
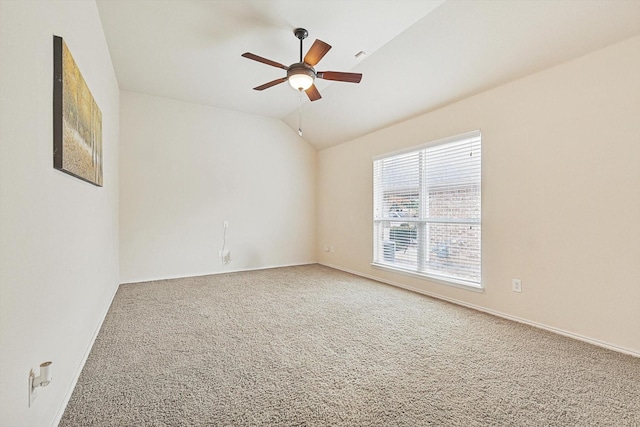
77, 120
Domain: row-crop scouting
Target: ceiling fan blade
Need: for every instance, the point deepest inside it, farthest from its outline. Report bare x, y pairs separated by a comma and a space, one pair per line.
317, 51
313, 93
271, 83
340, 77
264, 60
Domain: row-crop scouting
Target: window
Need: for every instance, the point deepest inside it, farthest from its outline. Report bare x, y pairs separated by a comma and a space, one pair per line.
427, 212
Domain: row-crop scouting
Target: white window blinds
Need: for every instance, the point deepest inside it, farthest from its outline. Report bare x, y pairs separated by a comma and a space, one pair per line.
427, 210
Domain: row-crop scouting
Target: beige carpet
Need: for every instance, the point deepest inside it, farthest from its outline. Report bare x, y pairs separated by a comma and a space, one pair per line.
312, 346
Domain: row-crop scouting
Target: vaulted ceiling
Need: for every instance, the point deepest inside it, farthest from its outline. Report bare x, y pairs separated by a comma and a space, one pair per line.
420, 54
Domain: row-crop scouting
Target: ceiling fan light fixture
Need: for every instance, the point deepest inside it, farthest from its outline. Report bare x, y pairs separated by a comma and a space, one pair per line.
300, 81
300, 76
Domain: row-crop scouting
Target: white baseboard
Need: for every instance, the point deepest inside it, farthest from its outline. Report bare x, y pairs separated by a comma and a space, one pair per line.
495, 313
239, 270
87, 351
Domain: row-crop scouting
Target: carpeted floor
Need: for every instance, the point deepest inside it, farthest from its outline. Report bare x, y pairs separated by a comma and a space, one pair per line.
312, 346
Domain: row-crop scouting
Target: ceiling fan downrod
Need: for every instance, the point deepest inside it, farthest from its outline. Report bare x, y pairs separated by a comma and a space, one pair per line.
301, 34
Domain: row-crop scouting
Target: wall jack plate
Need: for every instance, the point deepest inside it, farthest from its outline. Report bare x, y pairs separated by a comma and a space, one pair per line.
225, 256
33, 392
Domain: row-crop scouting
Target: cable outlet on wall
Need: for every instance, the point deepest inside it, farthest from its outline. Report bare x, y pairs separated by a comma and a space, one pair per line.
43, 379
516, 284
33, 392
225, 256
225, 223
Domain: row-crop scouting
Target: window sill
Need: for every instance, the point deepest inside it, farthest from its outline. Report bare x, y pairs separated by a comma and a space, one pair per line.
433, 278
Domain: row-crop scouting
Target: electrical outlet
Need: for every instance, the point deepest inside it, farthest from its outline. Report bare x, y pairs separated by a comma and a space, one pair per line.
326, 248
225, 223
331, 249
516, 284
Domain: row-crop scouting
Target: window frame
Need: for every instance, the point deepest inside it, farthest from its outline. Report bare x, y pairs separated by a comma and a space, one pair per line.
422, 243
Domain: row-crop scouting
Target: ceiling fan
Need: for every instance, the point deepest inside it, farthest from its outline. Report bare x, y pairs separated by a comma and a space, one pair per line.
301, 75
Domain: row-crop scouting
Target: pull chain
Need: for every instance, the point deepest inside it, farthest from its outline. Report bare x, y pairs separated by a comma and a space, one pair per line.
300, 114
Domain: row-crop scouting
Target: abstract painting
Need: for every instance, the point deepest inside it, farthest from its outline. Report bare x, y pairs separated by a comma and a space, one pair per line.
77, 120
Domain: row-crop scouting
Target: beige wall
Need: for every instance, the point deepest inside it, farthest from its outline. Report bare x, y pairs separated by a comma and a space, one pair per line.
58, 234
186, 168
561, 196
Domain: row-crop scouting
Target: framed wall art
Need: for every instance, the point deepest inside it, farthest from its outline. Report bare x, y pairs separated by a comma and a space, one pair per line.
77, 120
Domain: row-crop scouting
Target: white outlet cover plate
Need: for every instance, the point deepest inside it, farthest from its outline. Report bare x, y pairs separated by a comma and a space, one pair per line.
516, 285
33, 392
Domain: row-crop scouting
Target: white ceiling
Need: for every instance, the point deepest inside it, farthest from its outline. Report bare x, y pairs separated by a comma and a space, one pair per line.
421, 54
